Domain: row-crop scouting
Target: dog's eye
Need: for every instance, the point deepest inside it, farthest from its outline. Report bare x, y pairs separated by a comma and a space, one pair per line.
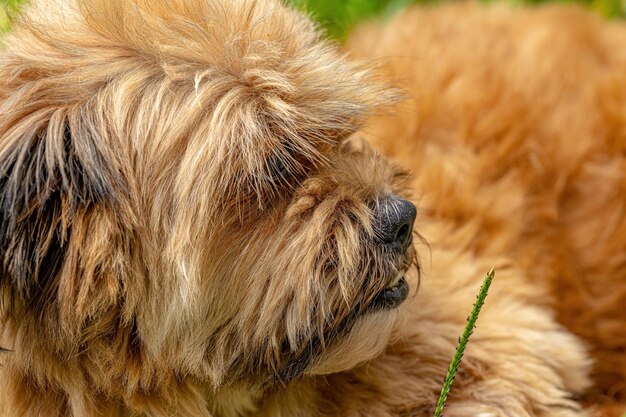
285, 170
277, 169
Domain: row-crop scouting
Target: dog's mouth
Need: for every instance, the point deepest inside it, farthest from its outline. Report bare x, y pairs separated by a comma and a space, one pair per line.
393, 294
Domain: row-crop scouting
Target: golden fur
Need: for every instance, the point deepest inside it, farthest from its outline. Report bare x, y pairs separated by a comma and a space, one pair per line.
516, 139
187, 216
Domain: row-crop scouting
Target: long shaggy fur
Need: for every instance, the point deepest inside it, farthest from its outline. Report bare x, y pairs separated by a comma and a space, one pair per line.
188, 213
515, 137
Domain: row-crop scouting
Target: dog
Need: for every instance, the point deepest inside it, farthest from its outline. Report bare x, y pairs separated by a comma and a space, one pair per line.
193, 223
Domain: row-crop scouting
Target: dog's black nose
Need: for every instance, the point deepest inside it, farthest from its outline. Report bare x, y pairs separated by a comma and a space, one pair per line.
393, 224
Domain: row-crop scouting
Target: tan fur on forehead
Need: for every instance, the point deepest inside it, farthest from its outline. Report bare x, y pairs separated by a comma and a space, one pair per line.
261, 82
258, 74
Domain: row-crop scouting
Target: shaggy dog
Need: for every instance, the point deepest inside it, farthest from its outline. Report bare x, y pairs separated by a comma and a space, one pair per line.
190, 224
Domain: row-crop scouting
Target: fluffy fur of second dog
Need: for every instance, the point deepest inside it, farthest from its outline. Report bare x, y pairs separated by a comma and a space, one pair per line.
188, 227
516, 138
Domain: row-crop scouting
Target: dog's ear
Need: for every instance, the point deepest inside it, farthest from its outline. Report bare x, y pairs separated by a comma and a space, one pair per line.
53, 172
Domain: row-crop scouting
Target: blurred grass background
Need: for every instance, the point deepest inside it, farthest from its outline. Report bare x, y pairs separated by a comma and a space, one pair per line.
339, 16
6, 8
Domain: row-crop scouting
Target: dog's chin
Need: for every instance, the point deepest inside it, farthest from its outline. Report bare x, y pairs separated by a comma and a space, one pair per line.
368, 338
371, 334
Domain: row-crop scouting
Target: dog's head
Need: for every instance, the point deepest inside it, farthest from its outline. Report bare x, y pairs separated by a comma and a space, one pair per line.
181, 192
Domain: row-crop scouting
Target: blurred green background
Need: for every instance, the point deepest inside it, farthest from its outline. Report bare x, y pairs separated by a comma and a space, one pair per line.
339, 16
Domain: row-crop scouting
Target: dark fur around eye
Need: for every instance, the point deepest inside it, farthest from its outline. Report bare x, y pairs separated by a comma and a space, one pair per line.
278, 169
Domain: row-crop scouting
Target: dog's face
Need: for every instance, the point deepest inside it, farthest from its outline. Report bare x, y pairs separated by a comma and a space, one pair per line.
181, 190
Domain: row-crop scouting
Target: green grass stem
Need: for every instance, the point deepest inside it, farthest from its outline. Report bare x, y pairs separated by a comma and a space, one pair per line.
460, 348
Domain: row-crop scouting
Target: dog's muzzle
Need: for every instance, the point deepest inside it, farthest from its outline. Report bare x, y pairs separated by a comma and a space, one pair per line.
393, 228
